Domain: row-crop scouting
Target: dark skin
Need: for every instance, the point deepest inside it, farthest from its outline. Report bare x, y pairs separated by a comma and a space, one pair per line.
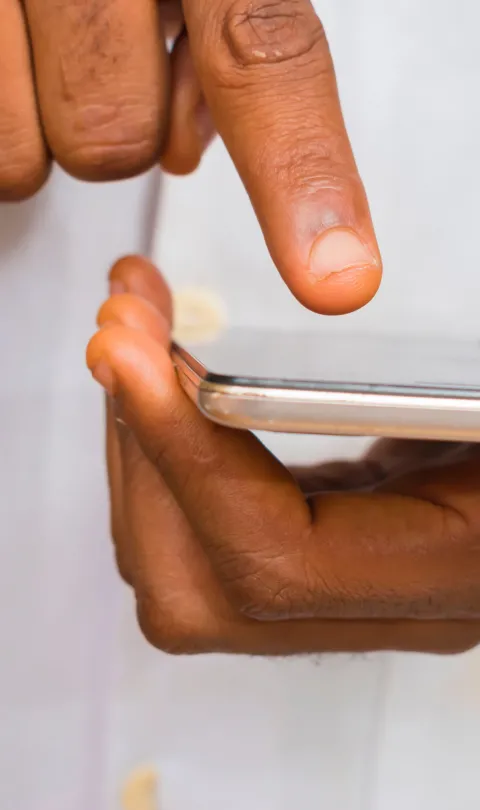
91, 84
227, 550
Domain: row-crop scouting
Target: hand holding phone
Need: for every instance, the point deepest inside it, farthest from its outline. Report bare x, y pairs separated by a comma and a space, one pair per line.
227, 551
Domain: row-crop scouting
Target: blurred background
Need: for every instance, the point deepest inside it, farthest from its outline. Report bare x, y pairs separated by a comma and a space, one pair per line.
83, 699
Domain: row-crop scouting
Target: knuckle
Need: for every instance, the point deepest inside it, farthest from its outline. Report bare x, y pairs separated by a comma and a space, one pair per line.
108, 142
264, 586
174, 631
270, 31
318, 167
312, 168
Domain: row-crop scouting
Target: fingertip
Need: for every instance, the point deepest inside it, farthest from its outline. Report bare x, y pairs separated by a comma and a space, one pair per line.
343, 272
340, 293
138, 313
183, 153
131, 262
136, 360
191, 127
139, 276
188, 140
98, 347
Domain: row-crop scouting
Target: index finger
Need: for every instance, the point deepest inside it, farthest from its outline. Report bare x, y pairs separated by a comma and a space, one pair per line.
268, 77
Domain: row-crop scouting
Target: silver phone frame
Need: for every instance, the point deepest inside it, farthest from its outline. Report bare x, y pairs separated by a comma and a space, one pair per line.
335, 412
331, 411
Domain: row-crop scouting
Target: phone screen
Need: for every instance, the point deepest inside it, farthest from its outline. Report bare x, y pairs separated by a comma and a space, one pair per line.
344, 362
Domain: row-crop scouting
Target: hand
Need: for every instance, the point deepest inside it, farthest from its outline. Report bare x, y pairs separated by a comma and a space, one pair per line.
226, 552
105, 99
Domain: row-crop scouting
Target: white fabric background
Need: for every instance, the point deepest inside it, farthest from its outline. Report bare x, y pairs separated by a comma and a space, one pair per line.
82, 697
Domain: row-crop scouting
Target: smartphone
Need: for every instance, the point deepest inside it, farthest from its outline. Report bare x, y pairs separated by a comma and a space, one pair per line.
339, 384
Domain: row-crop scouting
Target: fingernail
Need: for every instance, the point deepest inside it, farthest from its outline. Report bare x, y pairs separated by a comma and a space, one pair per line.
338, 250
117, 287
205, 127
103, 374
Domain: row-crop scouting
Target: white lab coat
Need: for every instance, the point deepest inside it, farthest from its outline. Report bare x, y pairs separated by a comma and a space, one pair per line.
83, 699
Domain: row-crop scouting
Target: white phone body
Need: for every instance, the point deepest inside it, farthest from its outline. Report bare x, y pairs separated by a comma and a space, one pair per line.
336, 384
